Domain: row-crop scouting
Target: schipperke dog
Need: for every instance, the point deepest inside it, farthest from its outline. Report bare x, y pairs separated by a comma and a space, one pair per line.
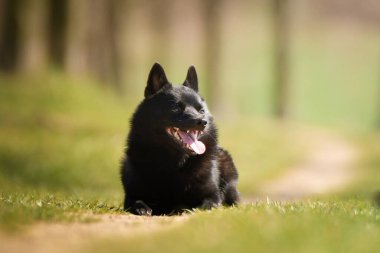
172, 161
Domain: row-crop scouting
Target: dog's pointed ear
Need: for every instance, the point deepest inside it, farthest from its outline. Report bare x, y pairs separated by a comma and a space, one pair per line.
191, 79
156, 80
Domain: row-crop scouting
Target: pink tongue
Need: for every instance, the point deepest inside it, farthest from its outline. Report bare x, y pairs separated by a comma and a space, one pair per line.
190, 139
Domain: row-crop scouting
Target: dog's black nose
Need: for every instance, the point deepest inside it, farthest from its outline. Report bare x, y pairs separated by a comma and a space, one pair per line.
202, 122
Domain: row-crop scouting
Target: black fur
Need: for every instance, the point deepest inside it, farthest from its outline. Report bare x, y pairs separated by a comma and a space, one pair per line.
161, 176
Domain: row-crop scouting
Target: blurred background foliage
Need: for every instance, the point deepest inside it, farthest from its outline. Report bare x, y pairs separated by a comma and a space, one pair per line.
273, 72
72, 72
313, 61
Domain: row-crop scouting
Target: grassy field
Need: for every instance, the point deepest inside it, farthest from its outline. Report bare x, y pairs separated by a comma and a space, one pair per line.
314, 226
60, 148
61, 143
368, 181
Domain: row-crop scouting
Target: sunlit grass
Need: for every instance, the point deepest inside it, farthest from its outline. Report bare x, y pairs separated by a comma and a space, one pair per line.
62, 140
367, 183
20, 209
315, 226
262, 149
59, 136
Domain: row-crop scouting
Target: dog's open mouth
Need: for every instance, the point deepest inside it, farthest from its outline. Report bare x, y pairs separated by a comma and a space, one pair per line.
188, 139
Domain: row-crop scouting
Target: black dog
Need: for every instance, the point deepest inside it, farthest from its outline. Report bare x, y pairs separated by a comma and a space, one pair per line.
173, 161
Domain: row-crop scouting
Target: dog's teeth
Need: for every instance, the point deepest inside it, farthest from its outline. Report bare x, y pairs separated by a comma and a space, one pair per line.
187, 131
177, 136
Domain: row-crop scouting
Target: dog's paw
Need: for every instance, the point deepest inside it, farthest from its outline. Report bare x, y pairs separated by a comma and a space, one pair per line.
208, 204
140, 208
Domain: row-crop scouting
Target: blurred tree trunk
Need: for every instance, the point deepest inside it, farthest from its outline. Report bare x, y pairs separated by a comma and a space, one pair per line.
378, 107
57, 31
159, 12
92, 35
378, 93
9, 34
281, 68
33, 36
3, 5
117, 19
100, 40
211, 19
76, 37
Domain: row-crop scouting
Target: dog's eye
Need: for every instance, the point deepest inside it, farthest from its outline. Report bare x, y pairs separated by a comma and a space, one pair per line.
179, 107
202, 110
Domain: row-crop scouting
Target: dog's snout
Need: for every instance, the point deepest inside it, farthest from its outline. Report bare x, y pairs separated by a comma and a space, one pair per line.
202, 123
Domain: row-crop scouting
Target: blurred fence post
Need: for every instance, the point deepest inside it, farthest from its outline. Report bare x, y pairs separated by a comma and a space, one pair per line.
281, 65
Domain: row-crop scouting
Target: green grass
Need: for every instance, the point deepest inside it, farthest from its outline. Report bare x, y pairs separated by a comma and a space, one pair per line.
59, 136
367, 184
315, 226
62, 141
20, 209
261, 150
61, 144
349, 222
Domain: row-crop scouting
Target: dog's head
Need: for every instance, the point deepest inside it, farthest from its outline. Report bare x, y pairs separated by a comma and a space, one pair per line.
176, 117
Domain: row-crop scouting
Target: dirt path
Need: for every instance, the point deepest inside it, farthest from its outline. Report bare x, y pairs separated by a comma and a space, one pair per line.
72, 237
326, 169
